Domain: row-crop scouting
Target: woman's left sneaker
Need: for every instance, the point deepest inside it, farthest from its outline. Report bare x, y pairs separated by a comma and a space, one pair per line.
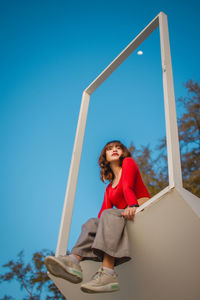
101, 282
64, 267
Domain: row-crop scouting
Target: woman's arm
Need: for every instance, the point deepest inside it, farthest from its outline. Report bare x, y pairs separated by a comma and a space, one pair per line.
130, 171
106, 203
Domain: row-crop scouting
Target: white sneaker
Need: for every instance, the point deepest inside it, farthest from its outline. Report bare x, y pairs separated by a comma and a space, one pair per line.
101, 282
64, 267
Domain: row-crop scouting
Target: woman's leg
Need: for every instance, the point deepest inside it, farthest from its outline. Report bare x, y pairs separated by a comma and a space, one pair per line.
108, 261
67, 266
112, 238
83, 247
78, 257
110, 243
105, 279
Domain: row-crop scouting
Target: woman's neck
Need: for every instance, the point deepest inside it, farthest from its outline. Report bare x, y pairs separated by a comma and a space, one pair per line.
116, 169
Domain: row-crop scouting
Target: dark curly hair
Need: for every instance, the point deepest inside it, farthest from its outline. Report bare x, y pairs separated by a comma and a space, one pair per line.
106, 172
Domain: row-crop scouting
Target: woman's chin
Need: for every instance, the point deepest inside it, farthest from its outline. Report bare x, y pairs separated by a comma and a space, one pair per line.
115, 159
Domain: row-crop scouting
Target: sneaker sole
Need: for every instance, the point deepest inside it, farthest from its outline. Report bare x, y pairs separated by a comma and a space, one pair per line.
109, 288
60, 270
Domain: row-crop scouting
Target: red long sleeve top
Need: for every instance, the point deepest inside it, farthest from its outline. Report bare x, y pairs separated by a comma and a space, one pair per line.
129, 188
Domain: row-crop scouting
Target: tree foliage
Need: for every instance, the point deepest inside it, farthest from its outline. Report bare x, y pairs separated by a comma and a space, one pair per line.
189, 136
154, 171
32, 276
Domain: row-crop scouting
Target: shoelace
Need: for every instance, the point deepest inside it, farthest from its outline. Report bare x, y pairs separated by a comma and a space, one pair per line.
99, 273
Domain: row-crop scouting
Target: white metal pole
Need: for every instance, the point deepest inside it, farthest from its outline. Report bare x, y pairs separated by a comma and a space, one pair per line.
174, 162
72, 179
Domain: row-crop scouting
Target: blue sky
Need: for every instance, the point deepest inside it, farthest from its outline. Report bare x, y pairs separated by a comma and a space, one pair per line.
50, 52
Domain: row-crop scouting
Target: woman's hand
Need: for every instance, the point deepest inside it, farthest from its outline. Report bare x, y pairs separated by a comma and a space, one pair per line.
129, 213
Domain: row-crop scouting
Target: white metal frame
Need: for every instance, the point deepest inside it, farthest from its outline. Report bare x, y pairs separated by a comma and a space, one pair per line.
174, 164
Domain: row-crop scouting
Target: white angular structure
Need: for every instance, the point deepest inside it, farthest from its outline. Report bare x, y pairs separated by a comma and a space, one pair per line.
165, 236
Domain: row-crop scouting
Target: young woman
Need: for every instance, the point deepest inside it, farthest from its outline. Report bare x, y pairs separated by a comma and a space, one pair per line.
105, 238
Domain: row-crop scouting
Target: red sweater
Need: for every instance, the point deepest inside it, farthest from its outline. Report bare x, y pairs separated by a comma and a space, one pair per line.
128, 190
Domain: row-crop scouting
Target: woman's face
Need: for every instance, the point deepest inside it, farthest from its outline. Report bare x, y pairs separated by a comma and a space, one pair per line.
113, 152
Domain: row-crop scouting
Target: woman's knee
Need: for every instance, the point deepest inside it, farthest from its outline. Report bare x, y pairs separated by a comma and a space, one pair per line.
90, 223
111, 212
108, 212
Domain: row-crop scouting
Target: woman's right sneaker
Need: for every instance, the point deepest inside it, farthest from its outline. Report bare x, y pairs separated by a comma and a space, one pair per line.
64, 267
101, 282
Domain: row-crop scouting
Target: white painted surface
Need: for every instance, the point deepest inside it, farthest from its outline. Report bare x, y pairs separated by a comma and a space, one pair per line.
165, 247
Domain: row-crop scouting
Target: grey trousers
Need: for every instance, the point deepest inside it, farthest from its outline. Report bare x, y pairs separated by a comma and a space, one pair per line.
107, 234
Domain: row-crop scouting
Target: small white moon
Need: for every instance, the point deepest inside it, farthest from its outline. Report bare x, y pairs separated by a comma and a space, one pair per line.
140, 52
